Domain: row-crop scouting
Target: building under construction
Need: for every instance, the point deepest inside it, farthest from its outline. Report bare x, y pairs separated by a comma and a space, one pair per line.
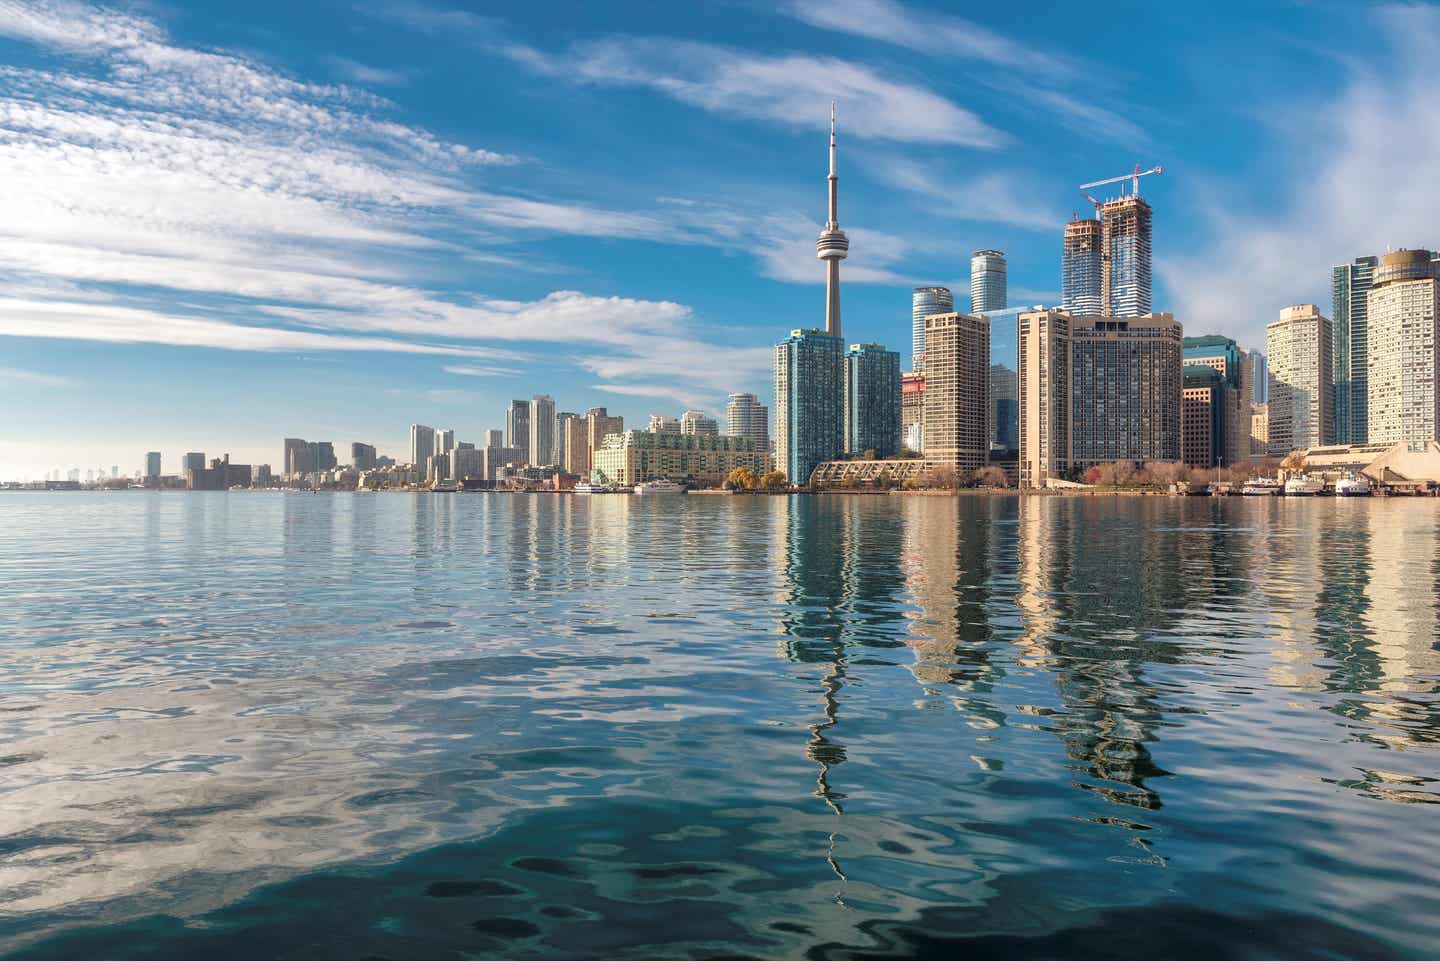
1081, 266
1125, 287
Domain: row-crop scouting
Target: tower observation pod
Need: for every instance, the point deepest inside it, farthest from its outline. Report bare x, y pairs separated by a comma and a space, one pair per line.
832, 246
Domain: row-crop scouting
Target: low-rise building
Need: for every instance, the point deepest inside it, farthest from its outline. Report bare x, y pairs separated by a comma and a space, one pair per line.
636, 456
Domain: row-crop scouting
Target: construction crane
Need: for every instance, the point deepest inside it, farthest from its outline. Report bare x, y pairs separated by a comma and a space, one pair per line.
1098, 204
1134, 179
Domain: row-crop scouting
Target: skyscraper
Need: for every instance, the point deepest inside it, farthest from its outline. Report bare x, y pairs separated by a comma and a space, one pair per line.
494, 438
422, 447
571, 438
809, 402
1095, 390
745, 416
517, 429
924, 302
598, 424
1403, 313
195, 460
987, 281
1300, 353
1224, 356
542, 429
1349, 335
444, 441
152, 465
832, 246
362, 456
912, 411
1004, 410
1206, 416
1125, 277
872, 400
1256, 377
957, 391
1081, 266
698, 422
300, 456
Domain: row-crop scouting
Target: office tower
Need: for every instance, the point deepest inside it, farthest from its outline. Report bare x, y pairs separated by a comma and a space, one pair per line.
517, 428
1349, 335
987, 281
697, 422
912, 411
957, 391
925, 301
1259, 431
494, 438
1004, 409
1081, 267
1300, 356
298, 458
745, 416
1095, 390
497, 458
362, 456
542, 430
422, 446
598, 424
635, 456
322, 456
572, 435
152, 465
809, 402
1403, 318
1256, 376
444, 441
872, 400
1206, 411
1125, 252
194, 460
1225, 357
664, 424
832, 246
469, 463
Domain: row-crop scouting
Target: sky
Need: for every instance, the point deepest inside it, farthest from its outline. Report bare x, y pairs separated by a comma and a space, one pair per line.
224, 224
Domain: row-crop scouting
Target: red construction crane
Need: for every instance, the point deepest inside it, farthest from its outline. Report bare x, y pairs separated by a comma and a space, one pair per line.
1134, 179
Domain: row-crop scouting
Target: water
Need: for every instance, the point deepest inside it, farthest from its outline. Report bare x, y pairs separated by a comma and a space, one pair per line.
485, 726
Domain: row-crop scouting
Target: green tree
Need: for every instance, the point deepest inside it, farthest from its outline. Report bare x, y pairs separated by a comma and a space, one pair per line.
774, 481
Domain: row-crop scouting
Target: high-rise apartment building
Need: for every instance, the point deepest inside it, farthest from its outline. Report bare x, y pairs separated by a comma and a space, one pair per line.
444, 441
362, 456
809, 402
195, 460
152, 465
636, 456
1256, 376
925, 301
987, 281
1095, 390
1349, 333
1206, 411
1082, 267
745, 416
1225, 357
468, 463
572, 438
957, 391
422, 447
912, 411
517, 430
1403, 314
1259, 431
300, 456
1300, 354
698, 422
493, 438
872, 400
1004, 409
599, 423
542, 430
664, 424
1125, 278
322, 455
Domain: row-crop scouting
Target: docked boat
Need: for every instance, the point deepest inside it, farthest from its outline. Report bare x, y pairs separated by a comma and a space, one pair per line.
1302, 485
443, 488
661, 486
588, 487
1261, 487
1354, 485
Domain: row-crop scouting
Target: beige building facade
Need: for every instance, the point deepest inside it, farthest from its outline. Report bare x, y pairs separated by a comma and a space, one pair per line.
1404, 326
636, 456
956, 412
1301, 357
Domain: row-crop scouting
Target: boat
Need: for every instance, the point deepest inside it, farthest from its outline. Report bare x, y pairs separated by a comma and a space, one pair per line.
1261, 487
443, 488
660, 486
588, 487
1302, 485
1353, 485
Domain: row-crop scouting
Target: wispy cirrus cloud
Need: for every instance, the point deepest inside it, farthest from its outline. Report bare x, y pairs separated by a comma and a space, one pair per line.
28, 379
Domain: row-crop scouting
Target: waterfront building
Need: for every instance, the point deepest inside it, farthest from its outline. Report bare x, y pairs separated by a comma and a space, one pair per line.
1350, 339
957, 391
517, 427
469, 463
444, 441
497, 459
832, 246
987, 281
698, 422
493, 438
1206, 410
598, 423
925, 301
362, 456
1403, 319
542, 430
261, 476
152, 465
1255, 376
1225, 357
664, 424
912, 411
1301, 388
1094, 390
322, 455
422, 447
299, 456
572, 436
872, 400
1259, 431
809, 402
195, 460
1081, 263
635, 456
745, 416
1004, 409
1125, 253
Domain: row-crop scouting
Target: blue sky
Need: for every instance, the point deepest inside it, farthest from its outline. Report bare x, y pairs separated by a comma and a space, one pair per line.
228, 223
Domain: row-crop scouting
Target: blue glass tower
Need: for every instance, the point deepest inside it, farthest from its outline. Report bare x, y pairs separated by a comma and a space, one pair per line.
872, 400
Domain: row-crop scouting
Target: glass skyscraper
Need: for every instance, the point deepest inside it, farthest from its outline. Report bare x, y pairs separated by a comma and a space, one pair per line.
872, 400
1350, 285
809, 402
987, 281
1125, 278
1081, 261
923, 302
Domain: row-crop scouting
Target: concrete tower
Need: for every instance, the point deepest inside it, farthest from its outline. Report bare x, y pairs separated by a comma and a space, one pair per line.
832, 246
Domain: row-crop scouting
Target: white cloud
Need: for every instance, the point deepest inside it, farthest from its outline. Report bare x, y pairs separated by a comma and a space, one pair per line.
472, 371
367, 75
993, 197
16, 377
682, 397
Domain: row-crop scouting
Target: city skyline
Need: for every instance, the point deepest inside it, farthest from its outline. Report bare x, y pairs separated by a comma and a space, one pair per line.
333, 304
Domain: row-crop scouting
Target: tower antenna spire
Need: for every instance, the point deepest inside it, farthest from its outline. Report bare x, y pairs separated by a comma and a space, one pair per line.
833, 245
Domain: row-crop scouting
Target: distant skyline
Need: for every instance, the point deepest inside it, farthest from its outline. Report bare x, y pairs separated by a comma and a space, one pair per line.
228, 225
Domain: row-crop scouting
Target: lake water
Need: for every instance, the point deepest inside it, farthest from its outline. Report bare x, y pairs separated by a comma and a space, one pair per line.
443, 727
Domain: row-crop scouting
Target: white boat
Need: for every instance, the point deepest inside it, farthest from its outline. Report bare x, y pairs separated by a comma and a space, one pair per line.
1302, 485
442, 487
1261, 487
661, 486
1353, 485
587, 487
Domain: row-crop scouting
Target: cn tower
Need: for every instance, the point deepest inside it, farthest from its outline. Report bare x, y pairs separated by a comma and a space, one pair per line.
833, 246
